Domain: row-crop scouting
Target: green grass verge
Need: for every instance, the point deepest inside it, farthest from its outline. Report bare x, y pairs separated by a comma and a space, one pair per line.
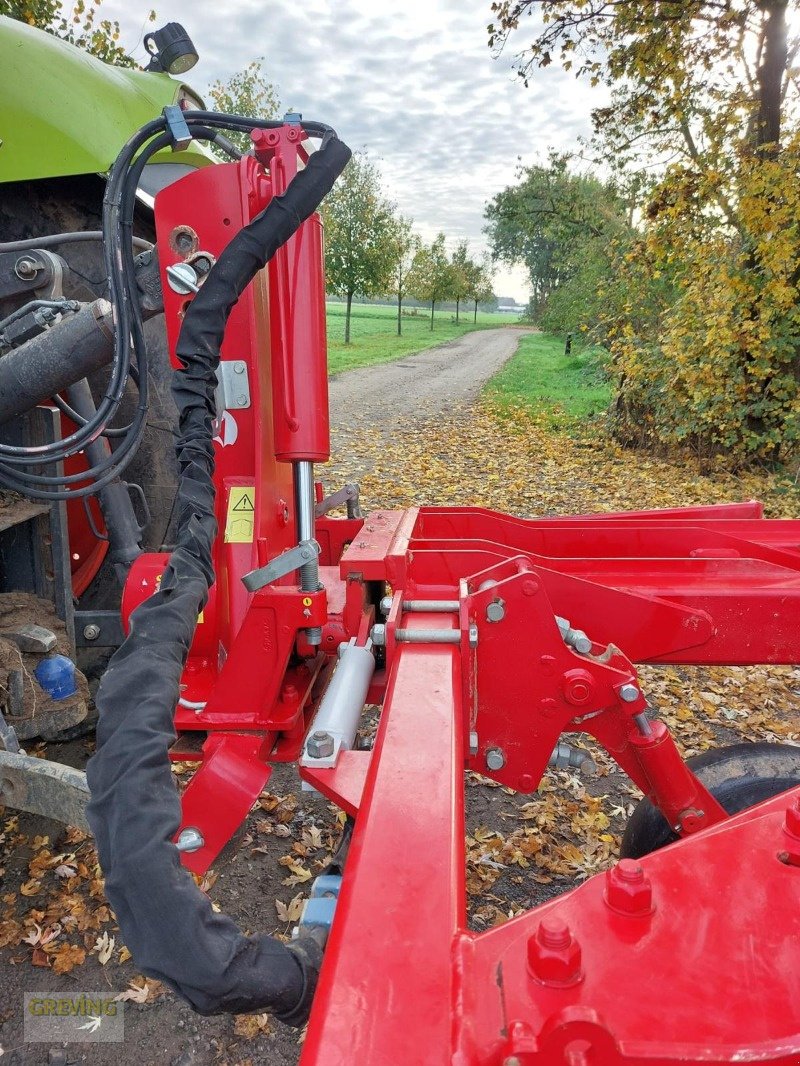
373, 332
564, 388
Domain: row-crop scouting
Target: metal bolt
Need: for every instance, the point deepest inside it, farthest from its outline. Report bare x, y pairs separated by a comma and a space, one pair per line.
554, 955
642, 723
575, 638
629, 693
189, 840
378, 635
320, 745
629, 890
238, 367
386, 604
241, 400
91, 632
27, 268
473, 743
580, 642
495, 611
495, 759
182, 278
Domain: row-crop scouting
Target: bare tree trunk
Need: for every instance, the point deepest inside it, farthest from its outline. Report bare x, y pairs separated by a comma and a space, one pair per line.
347, 318
433, 304
475, 316
458, 301
399, 313
770, 74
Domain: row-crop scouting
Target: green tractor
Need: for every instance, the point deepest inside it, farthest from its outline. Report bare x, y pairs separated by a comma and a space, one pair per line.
61, 565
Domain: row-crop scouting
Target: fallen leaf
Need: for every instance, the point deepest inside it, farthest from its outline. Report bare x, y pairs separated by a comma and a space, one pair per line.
104, 948
291, 911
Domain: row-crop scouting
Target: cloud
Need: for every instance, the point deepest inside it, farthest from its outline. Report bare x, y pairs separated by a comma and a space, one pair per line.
413, 84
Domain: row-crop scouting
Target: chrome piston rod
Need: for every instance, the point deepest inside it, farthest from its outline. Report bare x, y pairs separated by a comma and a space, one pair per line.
304, 509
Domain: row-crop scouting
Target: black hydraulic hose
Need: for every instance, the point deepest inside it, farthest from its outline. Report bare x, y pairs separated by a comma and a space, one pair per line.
52, 240
134, 812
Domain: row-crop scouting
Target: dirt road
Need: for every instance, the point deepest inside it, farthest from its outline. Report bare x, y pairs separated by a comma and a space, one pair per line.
426, 383
418, 388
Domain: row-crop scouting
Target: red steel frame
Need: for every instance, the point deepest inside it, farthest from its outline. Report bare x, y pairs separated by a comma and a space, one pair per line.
692, 955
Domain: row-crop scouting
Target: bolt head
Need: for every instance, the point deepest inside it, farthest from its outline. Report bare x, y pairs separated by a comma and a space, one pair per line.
182, 278
554, 955
629, 693
581, 643
238, 367
320, 744
91, 632
495, 759
386, 604
629, 890
378, 635
189, 839
495, 611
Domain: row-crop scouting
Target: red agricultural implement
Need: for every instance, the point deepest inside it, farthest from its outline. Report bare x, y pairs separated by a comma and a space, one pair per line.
482, 638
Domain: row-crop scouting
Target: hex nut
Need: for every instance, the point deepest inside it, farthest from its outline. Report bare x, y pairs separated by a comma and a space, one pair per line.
386, 604
320, 745
91, 632
629, 890
554, 955
629, 693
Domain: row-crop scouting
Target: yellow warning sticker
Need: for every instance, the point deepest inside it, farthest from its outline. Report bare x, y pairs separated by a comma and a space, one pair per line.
240, 519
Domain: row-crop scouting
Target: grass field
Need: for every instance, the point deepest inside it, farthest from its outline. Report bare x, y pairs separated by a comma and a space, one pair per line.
565, 388
373, 332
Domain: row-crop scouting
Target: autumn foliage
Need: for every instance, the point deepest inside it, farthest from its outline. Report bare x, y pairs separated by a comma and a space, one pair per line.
691, 278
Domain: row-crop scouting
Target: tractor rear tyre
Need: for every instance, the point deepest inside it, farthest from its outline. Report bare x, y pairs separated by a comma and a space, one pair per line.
738, 776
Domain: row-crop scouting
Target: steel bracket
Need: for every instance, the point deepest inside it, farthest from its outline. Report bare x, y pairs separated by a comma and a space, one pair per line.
283, 564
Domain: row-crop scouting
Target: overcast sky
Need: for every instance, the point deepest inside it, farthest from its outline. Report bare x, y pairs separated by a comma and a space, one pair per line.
416, 87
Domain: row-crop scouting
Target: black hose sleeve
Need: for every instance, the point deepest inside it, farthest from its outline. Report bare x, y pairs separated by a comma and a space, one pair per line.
134, 811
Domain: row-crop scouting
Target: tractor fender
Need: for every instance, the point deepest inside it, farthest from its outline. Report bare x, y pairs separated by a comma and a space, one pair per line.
64, 112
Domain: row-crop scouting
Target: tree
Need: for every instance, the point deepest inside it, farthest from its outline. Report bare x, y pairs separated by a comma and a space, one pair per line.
79, 25
460, 264
683, 71
550, 221
246, 93
480, 286
358, 234
404, 245
703, 114
431, 275
562, 227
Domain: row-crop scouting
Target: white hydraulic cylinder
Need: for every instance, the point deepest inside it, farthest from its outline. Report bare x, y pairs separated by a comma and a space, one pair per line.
336, 722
